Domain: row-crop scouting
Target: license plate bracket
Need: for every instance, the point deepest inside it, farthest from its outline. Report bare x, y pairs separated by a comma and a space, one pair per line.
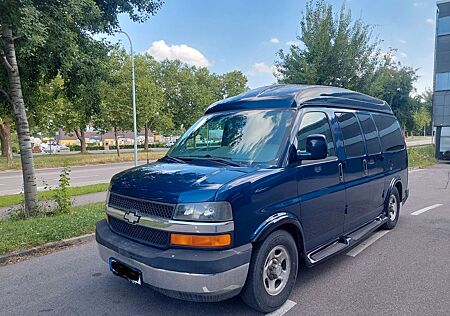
125, 271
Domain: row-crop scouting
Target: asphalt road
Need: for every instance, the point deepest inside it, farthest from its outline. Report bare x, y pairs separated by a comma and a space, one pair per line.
402, 272
11, 181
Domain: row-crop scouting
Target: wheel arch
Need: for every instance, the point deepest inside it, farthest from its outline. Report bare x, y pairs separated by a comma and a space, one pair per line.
396, 182
285, 221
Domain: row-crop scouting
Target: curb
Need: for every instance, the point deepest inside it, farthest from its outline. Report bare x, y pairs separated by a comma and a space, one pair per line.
45, 247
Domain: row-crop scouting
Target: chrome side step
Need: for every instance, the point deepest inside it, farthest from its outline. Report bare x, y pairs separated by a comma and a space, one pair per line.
344, 242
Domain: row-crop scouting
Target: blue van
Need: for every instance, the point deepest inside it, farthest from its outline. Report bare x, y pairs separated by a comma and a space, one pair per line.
266, 179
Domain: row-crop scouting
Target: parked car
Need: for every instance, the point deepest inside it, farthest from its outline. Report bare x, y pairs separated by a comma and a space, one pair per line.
296, 173
170, 144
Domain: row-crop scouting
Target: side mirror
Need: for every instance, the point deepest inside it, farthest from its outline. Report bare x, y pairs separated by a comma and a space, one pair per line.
316, 148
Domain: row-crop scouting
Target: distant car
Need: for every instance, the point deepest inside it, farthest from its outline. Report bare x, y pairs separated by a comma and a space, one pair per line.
53, 149
170, 144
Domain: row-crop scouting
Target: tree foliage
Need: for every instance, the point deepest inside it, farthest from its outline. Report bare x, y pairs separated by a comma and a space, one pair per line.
337, 50
44, 38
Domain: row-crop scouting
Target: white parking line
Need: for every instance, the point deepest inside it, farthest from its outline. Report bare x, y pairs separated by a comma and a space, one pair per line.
366, 243
425, 209
283, 309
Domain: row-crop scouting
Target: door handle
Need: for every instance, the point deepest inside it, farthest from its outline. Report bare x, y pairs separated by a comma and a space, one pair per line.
341, 172
366, 169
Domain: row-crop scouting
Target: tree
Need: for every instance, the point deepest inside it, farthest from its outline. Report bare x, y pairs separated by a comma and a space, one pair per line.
335, 51
151, 109
48, 35
394, 84
188, 91
115, 111
232, 83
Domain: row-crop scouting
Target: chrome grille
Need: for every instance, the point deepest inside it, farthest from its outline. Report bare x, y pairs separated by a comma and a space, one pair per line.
142, 234
144, 207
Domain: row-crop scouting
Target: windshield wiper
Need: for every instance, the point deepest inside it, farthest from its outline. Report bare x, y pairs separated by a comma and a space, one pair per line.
175, 159
223, 161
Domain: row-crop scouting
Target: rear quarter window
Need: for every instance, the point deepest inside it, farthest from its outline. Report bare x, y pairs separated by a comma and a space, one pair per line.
390, 132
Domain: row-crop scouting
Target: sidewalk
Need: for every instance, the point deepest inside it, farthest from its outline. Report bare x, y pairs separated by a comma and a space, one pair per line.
79, 200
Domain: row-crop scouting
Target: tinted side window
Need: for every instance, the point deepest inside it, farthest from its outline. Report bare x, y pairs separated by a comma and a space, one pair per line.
351, 132
315, 123
370, 133
390, 132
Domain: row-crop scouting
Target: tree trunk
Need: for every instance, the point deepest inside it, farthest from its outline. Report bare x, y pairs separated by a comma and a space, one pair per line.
146, 137
116, 137
20, 114
5, 137
82, 139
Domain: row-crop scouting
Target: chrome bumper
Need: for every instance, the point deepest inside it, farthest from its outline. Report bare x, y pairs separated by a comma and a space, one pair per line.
215, 286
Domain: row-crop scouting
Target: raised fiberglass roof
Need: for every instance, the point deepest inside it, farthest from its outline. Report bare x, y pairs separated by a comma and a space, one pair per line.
291, 96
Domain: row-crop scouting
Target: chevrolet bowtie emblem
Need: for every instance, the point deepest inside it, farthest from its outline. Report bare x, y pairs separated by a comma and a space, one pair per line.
131, 217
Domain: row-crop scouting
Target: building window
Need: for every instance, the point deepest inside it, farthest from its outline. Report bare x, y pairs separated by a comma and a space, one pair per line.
443, 26
442, 81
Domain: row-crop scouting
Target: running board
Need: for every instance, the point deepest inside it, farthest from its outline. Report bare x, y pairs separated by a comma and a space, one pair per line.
345, 242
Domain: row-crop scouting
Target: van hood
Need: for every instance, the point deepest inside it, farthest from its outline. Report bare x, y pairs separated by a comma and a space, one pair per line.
175, 182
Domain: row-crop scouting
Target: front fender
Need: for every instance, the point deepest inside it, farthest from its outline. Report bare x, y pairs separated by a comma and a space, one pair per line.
274, 222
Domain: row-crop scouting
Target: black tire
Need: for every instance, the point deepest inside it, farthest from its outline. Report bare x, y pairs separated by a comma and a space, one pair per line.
392, 221
254, 292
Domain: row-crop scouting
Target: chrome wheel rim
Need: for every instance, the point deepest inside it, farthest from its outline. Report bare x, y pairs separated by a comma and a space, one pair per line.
393, 207
277, 269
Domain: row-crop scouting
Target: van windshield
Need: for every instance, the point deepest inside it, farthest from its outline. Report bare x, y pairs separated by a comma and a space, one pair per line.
247, 137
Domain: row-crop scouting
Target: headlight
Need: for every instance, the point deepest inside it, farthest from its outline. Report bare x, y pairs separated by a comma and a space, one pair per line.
204, 212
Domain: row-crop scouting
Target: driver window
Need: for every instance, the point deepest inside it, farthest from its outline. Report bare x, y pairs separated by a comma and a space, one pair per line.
315, 123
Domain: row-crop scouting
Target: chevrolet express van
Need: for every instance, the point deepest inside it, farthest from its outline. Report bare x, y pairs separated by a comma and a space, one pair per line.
263, 181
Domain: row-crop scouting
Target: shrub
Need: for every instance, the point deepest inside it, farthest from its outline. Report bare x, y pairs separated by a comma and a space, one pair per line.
61, 193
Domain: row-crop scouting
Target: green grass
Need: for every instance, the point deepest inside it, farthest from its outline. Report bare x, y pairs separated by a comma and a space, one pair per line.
15, 199
28, 233
421, 156
53, 161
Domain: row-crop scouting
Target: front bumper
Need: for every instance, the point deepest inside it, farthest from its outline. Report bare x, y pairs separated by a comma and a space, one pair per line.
197, 275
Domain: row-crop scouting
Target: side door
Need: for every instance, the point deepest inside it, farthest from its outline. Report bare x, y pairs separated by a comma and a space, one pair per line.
321, 191
374, 165
355, 174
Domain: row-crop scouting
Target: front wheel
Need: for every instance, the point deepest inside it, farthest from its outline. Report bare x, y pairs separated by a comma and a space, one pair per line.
272, 273
392, 209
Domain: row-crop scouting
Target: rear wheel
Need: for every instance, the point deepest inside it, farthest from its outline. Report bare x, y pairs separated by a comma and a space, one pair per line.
392, 209
272, 273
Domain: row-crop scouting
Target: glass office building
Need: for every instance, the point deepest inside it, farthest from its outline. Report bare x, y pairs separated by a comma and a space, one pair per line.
441, 99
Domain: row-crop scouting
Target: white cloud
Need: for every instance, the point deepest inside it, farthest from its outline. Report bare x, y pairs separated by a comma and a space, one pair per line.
189, 55
403, 55
430, 21
402, 41
261, 68
274, 40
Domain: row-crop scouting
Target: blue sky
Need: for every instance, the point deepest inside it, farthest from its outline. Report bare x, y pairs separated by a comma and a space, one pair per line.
246, 35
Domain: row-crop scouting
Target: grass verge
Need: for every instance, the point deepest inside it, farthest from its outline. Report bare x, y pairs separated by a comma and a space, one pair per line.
54, 161
15, 199
28, 233
421, 156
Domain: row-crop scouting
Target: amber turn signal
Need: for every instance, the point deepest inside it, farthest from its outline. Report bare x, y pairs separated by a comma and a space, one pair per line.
200, 240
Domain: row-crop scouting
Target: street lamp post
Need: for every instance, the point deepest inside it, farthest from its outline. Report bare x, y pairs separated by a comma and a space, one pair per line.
133, 88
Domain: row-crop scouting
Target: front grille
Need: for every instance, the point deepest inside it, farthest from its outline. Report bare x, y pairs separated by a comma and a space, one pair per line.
142, 234
143, 207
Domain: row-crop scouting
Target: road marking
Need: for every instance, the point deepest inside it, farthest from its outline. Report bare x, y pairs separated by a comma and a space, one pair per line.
358, 249
425, 209
283, 309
